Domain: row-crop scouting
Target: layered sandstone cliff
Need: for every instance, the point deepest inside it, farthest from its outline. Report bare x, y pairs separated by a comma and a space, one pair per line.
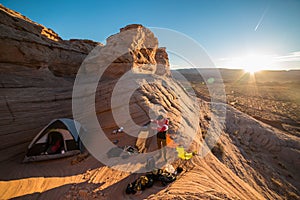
38, 69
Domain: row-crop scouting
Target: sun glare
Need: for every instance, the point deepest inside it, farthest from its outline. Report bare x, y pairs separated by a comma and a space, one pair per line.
254, 63
251, 70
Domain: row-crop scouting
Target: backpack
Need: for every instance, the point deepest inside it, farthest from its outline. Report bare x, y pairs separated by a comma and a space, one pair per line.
130, 188
141, 183
166, 178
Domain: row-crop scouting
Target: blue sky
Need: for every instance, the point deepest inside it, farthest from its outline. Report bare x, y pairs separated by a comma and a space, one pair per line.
260, 33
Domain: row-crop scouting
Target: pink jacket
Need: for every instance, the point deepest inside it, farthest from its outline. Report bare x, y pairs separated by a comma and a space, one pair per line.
162, 125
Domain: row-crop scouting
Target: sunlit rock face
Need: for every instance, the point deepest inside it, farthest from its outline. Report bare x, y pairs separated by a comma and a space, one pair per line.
38, 70
132, 62
135, 49
29, 44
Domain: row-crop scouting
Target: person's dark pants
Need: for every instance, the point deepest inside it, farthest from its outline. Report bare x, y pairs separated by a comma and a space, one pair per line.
161, 143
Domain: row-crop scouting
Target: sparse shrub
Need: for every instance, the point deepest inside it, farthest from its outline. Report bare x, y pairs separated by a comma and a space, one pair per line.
290, 176
253, 149
292, 195
207, 118
204, 133
281, 165
203, 130
276, 182
218, 150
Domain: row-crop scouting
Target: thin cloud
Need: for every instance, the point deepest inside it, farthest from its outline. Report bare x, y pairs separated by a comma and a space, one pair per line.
294, 56
268, 61
265, 61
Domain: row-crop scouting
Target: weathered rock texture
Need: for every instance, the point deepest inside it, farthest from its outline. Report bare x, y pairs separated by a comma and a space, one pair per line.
135, 48
38, 69
31, 59
26, 43
132, 61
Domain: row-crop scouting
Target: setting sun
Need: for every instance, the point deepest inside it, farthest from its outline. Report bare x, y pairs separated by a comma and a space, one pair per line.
252, 69
253, 63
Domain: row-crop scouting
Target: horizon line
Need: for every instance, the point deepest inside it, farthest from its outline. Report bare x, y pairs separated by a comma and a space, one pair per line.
182, 68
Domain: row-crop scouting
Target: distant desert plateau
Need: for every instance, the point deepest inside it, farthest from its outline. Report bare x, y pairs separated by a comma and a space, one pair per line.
272, 97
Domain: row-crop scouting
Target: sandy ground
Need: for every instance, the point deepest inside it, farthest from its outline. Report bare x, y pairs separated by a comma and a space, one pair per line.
88, 179
252, 161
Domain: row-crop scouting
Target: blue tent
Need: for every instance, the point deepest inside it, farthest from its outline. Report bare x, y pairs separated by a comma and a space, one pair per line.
60, 138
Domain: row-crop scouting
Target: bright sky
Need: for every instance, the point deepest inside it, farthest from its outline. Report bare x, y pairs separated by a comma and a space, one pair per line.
264, 34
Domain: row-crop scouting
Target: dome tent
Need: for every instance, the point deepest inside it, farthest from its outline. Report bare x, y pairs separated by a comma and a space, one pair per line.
60, 138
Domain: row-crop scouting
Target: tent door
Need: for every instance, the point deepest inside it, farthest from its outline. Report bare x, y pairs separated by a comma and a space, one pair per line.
55, 143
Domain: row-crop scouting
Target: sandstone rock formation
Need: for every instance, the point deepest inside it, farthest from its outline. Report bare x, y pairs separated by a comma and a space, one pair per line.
135, 48
37, 73
31, 58
132, 82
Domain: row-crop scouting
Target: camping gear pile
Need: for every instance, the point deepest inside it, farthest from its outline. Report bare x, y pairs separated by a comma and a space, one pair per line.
123, 152
147, 181
119, 130
184, 155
